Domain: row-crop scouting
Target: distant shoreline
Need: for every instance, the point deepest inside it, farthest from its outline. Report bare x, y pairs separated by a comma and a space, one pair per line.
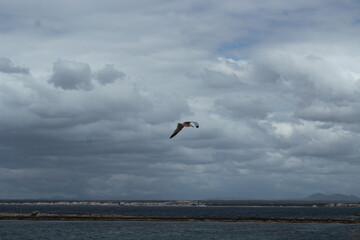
186, 203
36, 216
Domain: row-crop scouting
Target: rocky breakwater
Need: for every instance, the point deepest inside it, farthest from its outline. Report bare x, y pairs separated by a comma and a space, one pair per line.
37, 216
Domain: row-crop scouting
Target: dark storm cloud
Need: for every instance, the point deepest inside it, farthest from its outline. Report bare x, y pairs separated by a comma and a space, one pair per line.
71, 75
85, 135
6, 66
109, 74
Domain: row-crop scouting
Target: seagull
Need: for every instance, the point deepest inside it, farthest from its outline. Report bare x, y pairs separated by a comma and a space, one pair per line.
180, 126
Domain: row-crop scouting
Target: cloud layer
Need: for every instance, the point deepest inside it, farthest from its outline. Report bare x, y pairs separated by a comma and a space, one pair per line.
91, 93
6, 66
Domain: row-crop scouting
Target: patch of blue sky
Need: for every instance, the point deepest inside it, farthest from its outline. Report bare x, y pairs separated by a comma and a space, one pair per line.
229, 49
286, 23
8, 22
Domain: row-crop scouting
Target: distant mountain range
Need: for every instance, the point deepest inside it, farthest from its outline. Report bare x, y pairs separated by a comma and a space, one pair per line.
332, 197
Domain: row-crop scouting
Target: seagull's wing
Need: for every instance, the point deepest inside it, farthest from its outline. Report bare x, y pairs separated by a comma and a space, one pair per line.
177, 130
195, 124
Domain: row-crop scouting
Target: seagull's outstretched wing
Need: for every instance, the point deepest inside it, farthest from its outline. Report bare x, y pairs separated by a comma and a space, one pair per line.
177, 130
195, 124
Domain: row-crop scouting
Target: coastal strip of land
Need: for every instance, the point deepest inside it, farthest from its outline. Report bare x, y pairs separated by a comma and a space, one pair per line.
181, 203
36, 216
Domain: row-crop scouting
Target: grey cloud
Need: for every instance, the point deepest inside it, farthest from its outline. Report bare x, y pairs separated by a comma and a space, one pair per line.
215, 79
110, 120
336, 146
313, 58
71, 75
263, 75
273, 87
330, 112
6, 66
109, 74
165, 108
243, 107
311, 79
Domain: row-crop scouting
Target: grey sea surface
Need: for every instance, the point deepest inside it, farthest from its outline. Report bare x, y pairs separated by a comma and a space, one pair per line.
34, 230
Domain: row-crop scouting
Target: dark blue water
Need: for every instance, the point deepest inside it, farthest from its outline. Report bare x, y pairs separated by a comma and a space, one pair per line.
34, 230
54, 230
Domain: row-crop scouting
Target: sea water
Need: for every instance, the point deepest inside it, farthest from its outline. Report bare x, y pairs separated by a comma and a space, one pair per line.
34, 230
81, 230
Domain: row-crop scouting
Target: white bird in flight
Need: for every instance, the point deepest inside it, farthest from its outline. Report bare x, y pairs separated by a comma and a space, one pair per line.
180, 126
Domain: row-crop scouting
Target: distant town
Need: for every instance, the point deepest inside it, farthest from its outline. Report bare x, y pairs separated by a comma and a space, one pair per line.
106, 203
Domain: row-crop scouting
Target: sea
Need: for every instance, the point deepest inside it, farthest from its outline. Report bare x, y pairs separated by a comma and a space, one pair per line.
137, 230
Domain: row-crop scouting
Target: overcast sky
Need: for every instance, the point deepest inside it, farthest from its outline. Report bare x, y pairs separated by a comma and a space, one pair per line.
90, 92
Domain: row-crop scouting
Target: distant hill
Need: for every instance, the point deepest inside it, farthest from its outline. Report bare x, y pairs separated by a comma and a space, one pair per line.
332, 197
